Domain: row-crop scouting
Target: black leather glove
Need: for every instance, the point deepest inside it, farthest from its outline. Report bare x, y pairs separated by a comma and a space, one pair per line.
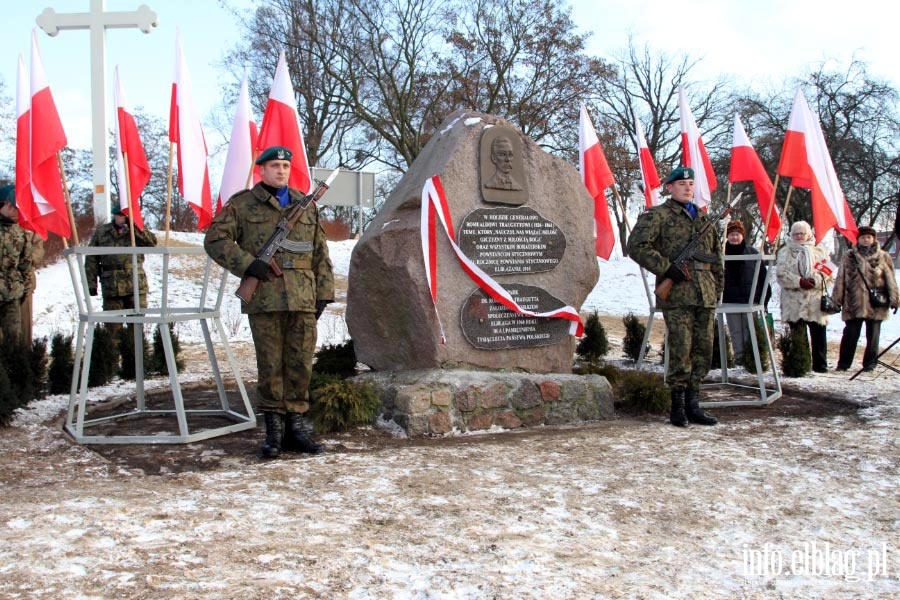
259, 269
320, 307
675, 274
92, 291
894, 309
807, 283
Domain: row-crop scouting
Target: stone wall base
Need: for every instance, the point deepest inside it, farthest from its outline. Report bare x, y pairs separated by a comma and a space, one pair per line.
435, 402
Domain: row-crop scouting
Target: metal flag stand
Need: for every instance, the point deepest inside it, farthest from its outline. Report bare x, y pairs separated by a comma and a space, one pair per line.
878, 361
754, 312
77, 419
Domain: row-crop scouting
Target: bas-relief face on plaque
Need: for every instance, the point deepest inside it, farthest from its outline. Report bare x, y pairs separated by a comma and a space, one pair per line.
489, 325
502, 166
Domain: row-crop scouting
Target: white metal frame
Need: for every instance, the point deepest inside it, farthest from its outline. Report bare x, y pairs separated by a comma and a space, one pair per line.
753, 312
77, 419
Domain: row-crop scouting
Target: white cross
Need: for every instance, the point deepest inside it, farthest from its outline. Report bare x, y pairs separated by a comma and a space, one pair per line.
98, 21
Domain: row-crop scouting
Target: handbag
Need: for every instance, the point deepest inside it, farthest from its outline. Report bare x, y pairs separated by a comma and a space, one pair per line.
828, 305
878, 297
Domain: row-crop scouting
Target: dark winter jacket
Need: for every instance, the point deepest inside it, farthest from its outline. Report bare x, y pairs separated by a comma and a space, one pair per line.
739, 276
850, 290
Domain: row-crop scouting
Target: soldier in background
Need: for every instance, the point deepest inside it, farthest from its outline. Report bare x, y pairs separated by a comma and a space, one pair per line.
115, 270
16, 267
284, 310
659, 236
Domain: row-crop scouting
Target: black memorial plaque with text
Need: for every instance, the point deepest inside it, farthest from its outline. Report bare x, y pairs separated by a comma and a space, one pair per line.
489, 325
511, 241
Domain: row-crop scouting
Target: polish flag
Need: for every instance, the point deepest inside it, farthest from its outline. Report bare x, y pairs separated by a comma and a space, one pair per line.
746, 166
597, 177
239, 160
694, 153
649, 176
46, 139
806, 160
185, 130
129, 146
281, 126
28, 215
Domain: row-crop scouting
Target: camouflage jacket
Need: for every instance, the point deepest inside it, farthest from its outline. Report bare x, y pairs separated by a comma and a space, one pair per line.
16, 266
659, 236
241, 229
115, 270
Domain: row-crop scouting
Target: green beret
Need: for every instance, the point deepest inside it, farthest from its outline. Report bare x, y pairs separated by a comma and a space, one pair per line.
8, 194
274, 153
115, 208
680, 173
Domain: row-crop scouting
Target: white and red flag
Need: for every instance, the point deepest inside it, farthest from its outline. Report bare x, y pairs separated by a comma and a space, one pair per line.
28, 215
239, 159
186, 131
806, 160
281, 126
45, 138
597, 177
746, 166
694, 153
130, 152
649, 175
435, 208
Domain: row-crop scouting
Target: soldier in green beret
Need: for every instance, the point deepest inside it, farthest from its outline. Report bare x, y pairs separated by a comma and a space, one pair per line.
659, 236
284, 310
16, 266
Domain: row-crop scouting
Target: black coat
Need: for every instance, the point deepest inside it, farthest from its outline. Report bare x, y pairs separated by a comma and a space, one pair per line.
739, 276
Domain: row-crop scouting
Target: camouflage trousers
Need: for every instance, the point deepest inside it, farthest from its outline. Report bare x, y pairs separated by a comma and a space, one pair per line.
10, 320
690, 345
285, 342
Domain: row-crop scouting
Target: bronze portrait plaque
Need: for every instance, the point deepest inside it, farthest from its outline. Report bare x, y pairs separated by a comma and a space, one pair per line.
502, 166
506, 240
489, 325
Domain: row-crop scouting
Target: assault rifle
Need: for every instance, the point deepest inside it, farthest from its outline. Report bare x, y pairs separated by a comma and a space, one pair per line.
665, 285
279, 239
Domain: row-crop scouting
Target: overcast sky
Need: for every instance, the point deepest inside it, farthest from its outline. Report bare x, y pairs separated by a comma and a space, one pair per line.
765, 40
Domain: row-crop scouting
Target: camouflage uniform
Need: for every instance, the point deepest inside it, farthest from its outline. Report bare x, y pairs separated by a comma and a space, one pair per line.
282, 311
37, 254
115, 270
659, 236
16, 276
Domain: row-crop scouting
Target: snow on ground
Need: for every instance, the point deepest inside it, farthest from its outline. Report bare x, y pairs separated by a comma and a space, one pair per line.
761, 506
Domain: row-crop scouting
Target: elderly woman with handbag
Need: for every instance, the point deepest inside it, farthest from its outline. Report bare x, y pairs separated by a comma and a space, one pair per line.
801, 289
865, 288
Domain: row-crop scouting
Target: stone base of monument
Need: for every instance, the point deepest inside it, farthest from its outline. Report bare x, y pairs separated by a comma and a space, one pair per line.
435, 402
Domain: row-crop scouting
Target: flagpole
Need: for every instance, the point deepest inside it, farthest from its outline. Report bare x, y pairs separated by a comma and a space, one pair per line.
768, 218
628, 227
787, 202
728, 202
62, 174
128, 199
250, 173
169, 193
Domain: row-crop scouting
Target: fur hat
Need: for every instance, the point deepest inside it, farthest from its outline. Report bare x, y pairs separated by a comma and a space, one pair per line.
866, 230
801, 226
735, 226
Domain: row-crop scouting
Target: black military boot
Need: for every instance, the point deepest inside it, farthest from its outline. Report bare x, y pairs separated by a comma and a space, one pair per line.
301, 442
693, 411
271, 448
676, 416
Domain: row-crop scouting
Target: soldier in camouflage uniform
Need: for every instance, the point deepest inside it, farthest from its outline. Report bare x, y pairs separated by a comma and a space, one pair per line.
115, 270
659, 236
16, 267
284, 310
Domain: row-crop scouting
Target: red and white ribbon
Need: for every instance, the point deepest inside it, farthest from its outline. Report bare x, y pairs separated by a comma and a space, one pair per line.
434, 207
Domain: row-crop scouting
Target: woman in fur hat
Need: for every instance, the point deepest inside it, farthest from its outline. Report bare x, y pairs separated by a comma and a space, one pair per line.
864, 266
738, 282
801, 289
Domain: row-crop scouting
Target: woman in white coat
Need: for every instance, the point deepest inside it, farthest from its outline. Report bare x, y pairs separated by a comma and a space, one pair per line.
801, 289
